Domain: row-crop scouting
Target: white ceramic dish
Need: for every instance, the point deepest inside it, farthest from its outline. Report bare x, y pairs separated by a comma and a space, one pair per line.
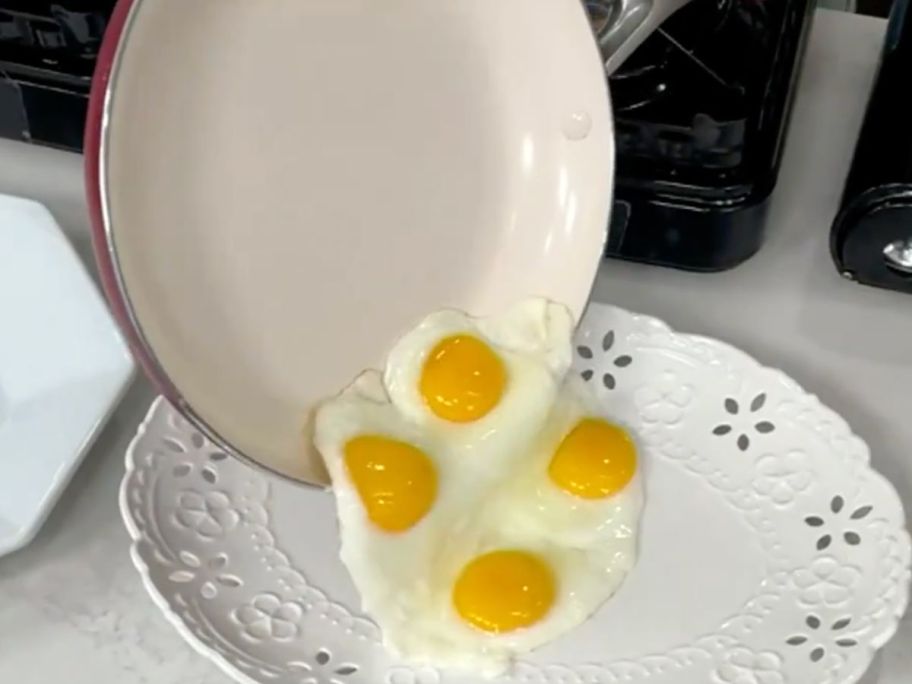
63, 366
285, 187
771, 553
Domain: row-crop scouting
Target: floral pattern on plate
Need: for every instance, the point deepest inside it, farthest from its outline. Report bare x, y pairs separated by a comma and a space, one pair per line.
779, 558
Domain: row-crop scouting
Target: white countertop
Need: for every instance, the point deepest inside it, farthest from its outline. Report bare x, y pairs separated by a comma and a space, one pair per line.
72, 608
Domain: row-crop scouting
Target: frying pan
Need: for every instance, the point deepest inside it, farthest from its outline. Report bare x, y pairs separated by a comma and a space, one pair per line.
280, 189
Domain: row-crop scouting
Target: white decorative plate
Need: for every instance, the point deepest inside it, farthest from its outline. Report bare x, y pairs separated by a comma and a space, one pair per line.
770, 552
63, 367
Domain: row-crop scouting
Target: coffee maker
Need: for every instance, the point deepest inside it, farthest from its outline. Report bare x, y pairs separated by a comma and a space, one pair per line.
702, 111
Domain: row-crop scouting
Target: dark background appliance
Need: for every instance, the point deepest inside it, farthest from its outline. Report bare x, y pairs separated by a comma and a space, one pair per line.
702, 110
47, 54
871, 239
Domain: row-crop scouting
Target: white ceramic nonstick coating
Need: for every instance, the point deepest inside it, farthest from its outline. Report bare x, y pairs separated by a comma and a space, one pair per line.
285, 187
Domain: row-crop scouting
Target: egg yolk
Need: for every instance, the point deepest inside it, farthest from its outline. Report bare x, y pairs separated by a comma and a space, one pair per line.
504, 590
462, 379
596, 459
396, 481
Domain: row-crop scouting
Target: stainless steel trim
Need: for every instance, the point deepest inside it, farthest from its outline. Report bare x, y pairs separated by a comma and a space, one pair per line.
622, 25
898, 255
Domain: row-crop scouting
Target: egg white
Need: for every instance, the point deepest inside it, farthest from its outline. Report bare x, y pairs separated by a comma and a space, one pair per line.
425, 628
381, 563
532, 503
493, 492
533, 341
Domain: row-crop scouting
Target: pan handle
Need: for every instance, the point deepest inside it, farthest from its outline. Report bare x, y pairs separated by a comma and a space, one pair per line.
621, 25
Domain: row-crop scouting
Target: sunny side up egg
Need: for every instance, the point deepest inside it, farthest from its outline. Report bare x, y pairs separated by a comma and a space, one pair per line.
485, 507
580, 483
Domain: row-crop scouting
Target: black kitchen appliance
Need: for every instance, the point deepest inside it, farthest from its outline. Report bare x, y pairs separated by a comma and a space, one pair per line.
871, 238
701, 114
702, 110
47, 54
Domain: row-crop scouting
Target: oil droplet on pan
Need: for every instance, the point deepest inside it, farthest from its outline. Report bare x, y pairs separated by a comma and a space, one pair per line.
577, 125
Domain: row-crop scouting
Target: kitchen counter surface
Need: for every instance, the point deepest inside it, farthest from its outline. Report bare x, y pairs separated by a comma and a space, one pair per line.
72, 608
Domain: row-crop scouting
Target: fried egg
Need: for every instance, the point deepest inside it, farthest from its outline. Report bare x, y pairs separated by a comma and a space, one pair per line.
482, 385
395, 489
495, 596
485, 505
581, 482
